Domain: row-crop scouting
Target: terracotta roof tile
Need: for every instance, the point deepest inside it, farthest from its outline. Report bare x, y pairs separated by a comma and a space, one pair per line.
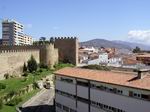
117, 78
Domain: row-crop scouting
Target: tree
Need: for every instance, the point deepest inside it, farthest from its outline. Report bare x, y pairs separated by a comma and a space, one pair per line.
32, 64
42, 40
136, 50
25, 67
52, 40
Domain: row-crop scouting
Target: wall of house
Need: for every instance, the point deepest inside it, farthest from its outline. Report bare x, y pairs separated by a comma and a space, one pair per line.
125, 103
85, 94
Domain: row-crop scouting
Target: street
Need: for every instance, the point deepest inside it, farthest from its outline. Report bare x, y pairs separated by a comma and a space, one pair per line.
42, 102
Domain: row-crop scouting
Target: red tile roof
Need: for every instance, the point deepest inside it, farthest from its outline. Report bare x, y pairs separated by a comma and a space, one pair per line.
117, 78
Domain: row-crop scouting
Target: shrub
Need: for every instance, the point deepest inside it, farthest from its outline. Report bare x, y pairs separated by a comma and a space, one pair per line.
35, 85
32, 64
40, 70
62, 65
43, 66
2, 86
11, 94
37, 73
25, 74
1, 103
97, 67
24, 79
25, 67
14, 101
7, 76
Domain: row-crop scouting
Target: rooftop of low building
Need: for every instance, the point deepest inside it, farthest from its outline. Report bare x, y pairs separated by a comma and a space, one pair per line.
128, 79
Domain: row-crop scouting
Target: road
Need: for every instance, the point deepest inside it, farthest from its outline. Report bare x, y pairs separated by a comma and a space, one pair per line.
42, 102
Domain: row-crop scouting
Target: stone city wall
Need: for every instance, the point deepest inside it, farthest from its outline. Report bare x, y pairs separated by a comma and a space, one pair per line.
11, 61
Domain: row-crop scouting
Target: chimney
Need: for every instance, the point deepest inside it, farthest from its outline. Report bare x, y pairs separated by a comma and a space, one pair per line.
142, 72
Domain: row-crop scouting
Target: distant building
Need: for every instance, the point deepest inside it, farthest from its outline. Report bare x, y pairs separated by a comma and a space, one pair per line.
144, 58
115, 61
84, 90
12, 34
28, 40
1, 41
102, 59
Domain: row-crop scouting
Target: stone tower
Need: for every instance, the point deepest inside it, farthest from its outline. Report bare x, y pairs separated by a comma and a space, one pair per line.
67, 49
48, 55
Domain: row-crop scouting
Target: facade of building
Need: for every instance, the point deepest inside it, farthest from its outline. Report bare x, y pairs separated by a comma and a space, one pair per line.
144, 58
0, 41
84, 90
12, 34
102, 59
115, 61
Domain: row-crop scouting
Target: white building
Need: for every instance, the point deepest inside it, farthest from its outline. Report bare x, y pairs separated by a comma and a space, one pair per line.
83, 90
90, 50
12, 34
115, 61
102, 59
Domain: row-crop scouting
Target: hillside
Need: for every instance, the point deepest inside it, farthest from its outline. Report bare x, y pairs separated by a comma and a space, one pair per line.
114, 44
104, 43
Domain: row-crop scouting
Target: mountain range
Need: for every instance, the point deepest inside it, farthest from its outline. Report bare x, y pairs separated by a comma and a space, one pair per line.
114, 44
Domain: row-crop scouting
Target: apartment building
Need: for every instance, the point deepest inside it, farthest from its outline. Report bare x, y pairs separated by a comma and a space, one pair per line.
84, 90
12, 33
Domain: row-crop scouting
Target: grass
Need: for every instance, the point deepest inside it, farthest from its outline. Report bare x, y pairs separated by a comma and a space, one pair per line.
14, 84
24, 97
62, 65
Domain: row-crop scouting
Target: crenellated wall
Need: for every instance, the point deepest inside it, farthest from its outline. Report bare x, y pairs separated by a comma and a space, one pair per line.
12, 58
12, 61
63, 49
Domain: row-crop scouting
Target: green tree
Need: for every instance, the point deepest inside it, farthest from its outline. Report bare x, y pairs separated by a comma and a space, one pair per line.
32, 64
136, 50
25, 68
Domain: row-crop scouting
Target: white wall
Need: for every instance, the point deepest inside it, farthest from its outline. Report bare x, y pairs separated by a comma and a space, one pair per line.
82, 107
122, 102
94, 109
82, 91
58, 109
103, 58
69, 102
65, 87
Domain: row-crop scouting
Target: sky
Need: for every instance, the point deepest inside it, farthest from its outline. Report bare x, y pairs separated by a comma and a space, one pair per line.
127, 20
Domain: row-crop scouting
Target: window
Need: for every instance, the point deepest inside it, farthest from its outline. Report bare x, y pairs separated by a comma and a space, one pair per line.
65, 94
147, 97
66, 109
82, 83
58, 105
83, 100
72, 110
66, 80
106, 107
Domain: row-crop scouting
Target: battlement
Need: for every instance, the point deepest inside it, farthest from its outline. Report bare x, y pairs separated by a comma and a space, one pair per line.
17, 50
64, 38
21, 48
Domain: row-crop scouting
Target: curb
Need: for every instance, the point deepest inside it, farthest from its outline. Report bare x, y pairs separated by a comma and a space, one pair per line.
34, 97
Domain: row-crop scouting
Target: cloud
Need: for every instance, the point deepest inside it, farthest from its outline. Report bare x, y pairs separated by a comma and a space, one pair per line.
142, 36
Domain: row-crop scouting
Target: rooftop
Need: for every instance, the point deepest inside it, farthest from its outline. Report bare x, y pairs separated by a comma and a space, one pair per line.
144, 55
117, 78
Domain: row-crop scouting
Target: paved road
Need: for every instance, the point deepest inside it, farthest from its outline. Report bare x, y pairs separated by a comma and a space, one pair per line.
42, 102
